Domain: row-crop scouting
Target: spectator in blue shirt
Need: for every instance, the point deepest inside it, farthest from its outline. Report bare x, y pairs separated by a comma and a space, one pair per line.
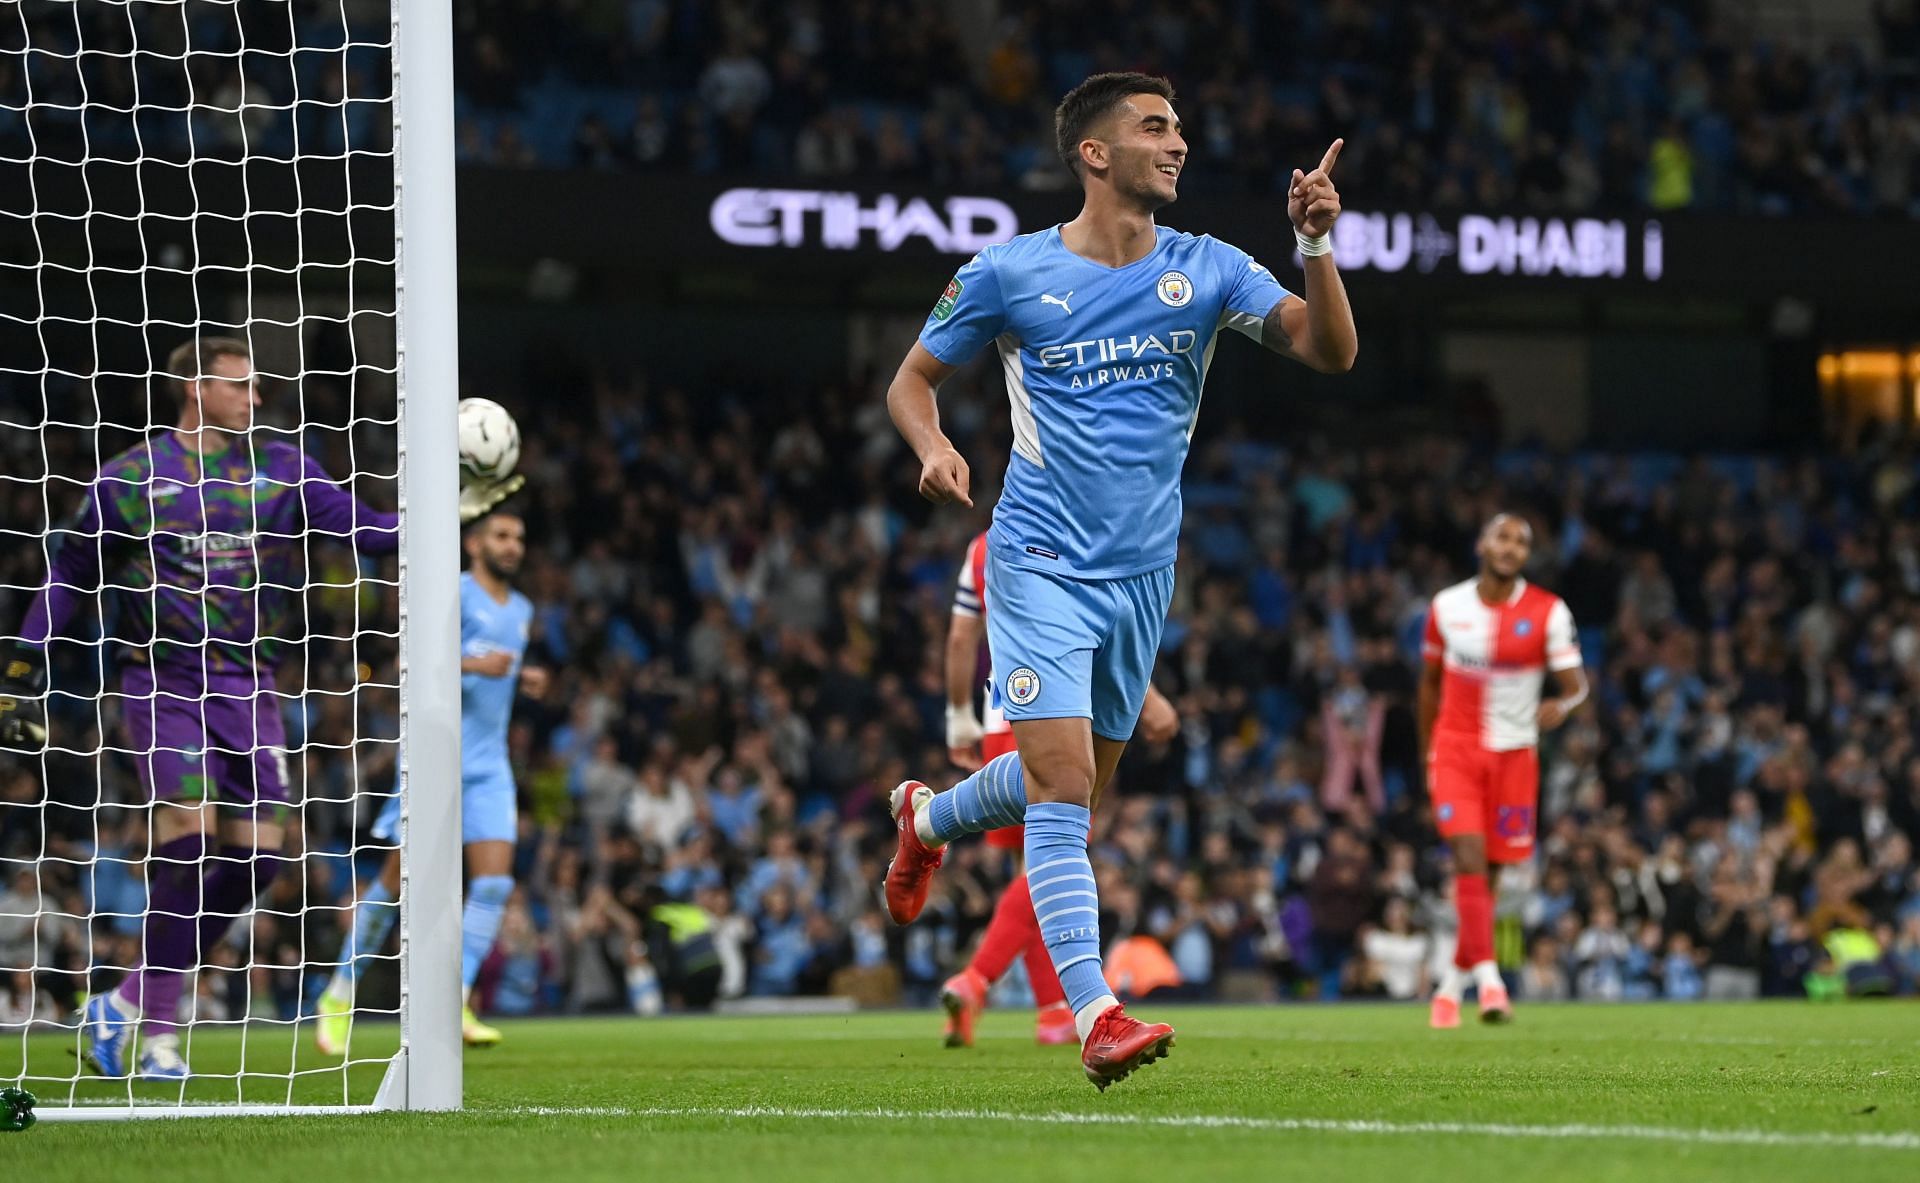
782, 949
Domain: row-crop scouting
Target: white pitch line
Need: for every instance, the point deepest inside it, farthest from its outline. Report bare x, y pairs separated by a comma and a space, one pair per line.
1279, 1125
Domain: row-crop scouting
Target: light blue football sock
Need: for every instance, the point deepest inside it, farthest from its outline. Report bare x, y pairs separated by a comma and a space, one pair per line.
993, 797
373, 918
480, 923
1065, 902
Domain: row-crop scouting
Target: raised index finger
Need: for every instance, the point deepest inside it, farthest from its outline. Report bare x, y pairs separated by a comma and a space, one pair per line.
1333, 154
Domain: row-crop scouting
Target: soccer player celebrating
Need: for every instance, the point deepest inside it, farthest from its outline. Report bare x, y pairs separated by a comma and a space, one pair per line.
495, 621
199, 533
1488, 641
1013, 931
1104, 327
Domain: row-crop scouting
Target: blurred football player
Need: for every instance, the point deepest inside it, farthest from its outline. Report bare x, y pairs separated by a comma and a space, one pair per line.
198, 534
1489, 641
495, 622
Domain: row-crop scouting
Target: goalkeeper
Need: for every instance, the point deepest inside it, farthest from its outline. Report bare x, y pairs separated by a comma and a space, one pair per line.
199, 533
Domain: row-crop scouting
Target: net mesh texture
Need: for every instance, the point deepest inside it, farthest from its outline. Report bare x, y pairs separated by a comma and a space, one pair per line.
172, 172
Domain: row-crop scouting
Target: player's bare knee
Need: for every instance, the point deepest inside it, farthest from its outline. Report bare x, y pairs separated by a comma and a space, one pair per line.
1060, 779
256, 836
489, 858
171, 820
1469, 856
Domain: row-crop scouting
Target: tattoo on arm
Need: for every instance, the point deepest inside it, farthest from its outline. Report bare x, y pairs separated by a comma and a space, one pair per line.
1273, 331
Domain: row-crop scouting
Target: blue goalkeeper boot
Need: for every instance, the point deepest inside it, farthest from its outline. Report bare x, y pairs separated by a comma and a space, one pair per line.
105, 1036
160, 1059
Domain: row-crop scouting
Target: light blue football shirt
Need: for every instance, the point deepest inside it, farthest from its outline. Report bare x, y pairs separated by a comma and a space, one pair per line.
1104, 367
486, 704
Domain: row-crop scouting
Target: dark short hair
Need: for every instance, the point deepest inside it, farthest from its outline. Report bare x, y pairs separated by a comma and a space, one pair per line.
191, 360
1093, 100
478, 525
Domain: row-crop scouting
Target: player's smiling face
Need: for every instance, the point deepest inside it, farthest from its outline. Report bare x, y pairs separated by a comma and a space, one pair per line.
1147, 150
228, 394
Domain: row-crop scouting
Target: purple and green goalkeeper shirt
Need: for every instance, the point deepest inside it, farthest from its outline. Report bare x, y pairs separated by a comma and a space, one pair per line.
203, 556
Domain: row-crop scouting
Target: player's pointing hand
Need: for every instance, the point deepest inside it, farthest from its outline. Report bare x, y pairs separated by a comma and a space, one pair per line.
1312, 201
945, 477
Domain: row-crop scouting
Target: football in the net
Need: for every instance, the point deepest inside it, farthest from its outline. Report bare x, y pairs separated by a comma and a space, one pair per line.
489, 439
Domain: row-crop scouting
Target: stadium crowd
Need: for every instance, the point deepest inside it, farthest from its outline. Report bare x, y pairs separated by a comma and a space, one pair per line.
744, 607
1568, 105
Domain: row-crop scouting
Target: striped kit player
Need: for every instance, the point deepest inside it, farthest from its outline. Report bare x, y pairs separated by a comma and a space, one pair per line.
1490, 643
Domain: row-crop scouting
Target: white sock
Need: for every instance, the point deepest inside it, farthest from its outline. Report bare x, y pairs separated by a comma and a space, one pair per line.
1083, 1018
1486, 974
923, 823
1453, 984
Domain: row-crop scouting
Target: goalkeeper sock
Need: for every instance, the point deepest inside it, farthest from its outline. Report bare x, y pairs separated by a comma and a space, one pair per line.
993, 797
169, 933
1066, 903
235, 878
480, 924
373, 919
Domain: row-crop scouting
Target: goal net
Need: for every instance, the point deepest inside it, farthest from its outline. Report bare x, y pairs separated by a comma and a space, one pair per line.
228, 618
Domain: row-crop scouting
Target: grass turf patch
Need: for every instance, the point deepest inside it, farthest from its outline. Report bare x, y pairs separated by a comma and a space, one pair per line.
1697, 1091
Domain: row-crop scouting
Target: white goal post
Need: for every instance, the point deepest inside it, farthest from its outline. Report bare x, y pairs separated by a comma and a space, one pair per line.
426, 1074
280, 172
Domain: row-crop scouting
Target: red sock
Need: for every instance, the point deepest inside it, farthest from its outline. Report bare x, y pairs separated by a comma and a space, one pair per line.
1473, 902
1047, 990
1012, 928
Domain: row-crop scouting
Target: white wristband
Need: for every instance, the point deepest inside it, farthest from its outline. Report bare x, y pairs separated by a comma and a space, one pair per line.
963, 728
1313, 247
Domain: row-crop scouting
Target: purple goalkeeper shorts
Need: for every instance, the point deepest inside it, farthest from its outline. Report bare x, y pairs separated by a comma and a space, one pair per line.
228, 745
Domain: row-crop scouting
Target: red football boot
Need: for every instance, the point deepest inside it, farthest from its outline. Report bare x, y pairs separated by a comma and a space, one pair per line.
1054, 1025
964, 996
1495, 1007
1119, 1044
913, 863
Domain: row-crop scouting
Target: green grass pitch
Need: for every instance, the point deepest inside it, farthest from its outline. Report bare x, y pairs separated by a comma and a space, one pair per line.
1640, 1092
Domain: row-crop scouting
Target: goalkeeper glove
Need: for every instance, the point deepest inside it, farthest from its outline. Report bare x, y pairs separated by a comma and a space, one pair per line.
480, 497
963, 730
23, 686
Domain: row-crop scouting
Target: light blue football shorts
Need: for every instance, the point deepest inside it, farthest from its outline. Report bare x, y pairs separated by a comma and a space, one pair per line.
1075, 648
486, 811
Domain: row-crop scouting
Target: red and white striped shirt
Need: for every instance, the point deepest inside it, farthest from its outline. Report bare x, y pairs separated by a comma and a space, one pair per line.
970, 596
970, 599
1494, 657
